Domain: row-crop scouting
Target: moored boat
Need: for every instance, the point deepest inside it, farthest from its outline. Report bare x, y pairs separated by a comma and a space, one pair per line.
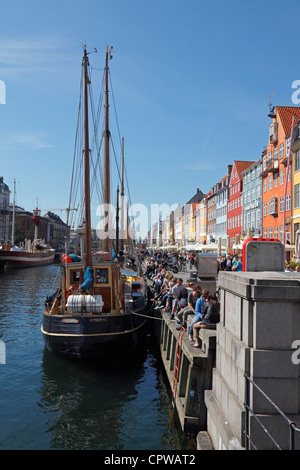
35, 253
99, 308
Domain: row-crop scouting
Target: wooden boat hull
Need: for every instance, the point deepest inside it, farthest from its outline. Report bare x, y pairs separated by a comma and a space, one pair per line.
22, 259
92, 336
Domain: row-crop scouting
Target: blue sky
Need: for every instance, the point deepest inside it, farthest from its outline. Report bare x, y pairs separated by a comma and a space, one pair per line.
192, 82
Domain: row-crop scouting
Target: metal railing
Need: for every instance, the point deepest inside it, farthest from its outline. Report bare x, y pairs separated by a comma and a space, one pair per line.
292, 427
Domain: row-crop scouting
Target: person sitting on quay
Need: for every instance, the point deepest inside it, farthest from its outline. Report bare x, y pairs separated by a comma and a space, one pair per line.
210, 317
182, 300
226, 264
193, 296
174, 296
158, 278
199, 309
164, 304
164, 288
237, 264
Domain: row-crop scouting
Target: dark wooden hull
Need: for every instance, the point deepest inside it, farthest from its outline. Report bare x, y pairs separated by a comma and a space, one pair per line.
23, 259
94, 336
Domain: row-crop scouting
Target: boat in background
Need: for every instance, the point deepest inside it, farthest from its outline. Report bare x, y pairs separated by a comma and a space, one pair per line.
35, 253
98, 310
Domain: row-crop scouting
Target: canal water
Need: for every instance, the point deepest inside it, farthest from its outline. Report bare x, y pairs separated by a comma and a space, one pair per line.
51, 403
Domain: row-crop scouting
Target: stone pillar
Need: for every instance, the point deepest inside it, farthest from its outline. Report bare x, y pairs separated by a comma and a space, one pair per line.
260, 320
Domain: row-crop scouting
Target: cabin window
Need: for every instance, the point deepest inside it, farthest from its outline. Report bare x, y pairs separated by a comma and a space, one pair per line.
75, 276
101, 276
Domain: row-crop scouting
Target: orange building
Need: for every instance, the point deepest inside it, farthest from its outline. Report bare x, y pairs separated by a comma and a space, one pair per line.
275, 187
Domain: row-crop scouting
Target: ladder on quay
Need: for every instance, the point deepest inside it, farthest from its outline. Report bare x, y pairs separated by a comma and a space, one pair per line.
177, 362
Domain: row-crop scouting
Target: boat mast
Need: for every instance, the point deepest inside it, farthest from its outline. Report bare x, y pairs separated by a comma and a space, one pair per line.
117, 225
88, 244
13, 216
122, 198
106, 154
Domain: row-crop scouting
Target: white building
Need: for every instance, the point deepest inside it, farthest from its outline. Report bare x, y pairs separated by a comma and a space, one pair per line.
252, 199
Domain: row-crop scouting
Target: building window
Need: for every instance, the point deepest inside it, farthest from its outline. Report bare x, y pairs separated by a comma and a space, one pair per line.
270, 232
276, 157
281, 206
265, 232
258, 171
265, 208
270, 181
258, 191
253, 220
281, 233
276, 232
270, 159
265, 162
258, 218
296, 195
288, 202
281, 154
288, 142
297, 167
265, 185
275, 180
281, 177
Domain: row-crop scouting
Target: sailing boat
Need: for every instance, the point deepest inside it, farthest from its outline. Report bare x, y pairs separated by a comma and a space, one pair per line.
35, 253
98, 309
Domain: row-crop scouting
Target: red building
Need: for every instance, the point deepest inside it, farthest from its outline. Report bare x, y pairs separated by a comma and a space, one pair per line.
235, 200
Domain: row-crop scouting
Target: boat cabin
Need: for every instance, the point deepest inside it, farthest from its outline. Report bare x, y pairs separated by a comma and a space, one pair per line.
106, 283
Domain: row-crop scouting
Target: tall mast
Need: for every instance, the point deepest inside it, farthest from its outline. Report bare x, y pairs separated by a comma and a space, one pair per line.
122, 199
117, 224
106, 153
13, 216
88, 243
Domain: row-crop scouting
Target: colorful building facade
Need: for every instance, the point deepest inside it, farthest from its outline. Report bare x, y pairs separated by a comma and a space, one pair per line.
235, 199
276, 178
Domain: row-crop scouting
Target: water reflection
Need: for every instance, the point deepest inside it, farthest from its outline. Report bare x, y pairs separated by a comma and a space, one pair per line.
51, 403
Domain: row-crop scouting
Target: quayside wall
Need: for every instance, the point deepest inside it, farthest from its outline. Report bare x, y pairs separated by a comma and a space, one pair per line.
259, 325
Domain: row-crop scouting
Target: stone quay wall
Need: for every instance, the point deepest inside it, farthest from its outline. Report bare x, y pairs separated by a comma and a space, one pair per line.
260, 320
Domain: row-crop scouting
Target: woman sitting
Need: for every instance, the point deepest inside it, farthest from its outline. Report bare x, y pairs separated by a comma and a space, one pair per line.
210, 317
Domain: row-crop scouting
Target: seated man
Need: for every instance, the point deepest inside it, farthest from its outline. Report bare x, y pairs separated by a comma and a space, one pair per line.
210, 317
199, 309
193, 296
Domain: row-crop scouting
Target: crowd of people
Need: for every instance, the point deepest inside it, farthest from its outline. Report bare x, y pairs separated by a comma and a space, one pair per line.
230, 263
179, 300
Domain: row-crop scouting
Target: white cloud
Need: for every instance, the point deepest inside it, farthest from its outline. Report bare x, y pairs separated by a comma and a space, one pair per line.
31, 55
28, 140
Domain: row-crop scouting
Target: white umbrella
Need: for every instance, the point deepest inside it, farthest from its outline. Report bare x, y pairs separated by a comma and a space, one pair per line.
212, 247
188, 247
